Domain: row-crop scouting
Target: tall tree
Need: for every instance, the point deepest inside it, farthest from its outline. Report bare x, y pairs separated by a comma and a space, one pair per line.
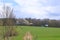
8, 21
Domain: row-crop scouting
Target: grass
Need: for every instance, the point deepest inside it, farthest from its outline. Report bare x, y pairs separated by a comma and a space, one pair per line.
38, 33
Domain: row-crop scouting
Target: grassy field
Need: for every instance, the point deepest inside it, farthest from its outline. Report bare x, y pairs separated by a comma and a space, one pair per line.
38, 33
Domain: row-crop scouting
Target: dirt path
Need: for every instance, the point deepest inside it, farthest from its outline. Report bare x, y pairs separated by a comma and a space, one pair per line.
28, 36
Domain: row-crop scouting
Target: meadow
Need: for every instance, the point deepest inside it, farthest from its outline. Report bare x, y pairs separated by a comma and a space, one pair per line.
38, 33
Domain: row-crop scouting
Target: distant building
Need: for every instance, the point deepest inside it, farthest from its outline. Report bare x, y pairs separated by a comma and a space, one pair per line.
46, 25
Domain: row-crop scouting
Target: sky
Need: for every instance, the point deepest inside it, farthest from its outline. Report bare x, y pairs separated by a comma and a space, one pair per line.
39, 9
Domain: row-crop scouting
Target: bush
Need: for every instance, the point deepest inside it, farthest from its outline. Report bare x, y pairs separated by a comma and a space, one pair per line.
10, 33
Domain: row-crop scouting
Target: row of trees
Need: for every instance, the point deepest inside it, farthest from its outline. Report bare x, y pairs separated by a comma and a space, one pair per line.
54, 23
34, 22
39, 22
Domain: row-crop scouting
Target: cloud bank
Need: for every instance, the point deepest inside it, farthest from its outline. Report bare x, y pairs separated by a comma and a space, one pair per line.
36, 8
40, 8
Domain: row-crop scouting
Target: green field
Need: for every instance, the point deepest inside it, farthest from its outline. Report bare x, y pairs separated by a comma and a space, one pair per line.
38, 33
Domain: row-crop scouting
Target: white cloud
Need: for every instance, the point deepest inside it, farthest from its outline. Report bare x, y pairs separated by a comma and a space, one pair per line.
31, 6
36, 7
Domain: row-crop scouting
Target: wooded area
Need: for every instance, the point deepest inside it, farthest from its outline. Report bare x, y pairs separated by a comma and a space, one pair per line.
35, 22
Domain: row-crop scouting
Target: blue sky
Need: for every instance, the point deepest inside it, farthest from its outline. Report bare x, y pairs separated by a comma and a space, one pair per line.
34, 8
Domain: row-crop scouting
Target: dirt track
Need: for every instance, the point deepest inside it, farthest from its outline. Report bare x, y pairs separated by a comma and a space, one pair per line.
28, 36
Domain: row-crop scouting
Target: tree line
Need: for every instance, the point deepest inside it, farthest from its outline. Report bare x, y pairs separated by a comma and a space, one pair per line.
35, 22
38, 22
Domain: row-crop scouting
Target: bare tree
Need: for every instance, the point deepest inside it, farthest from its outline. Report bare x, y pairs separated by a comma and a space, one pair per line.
8, 21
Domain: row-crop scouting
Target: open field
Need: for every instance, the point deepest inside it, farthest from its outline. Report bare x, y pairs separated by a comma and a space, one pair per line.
38, 33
